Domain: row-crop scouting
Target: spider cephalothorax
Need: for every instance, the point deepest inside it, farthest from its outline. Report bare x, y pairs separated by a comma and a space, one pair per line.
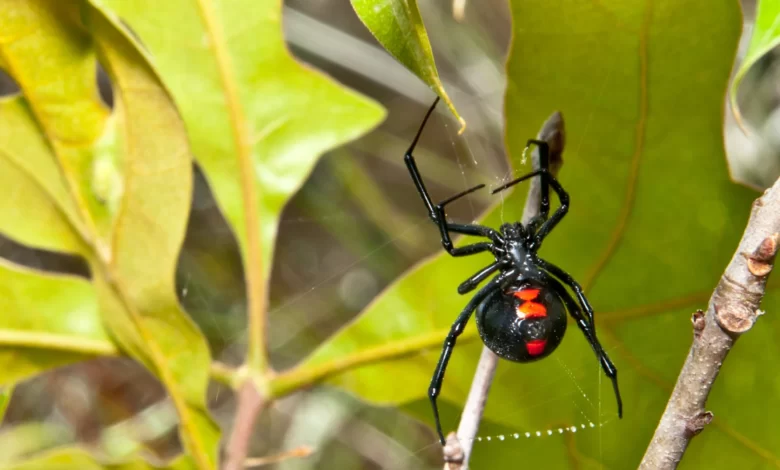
521, 311
513, 231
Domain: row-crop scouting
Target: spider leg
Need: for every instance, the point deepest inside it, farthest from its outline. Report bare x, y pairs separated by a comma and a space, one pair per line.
449, 343
590, 334
410, 164
544, 165
544, 168
561, 211
574, 285
467, 229
550, 223
471, 283
437, 214
477, 230
547, 179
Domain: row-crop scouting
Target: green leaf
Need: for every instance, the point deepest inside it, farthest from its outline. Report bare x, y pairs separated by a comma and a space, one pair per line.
257, 119
137, 290
129, 178
6, 393
37, 210
654, 220
48, 321
70, 114
73, 458
766, 36
398, 26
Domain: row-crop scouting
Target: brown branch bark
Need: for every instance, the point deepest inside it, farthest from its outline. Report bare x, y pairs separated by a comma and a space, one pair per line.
732, 311
458, 448
250, 404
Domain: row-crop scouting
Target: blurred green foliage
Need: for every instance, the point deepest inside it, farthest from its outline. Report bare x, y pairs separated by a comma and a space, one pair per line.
764, 38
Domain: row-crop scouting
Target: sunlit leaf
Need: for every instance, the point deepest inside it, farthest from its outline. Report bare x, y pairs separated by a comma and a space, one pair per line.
35, 210
765, 37
48, 320
398, 26
128, 177
138, 296
654, 220
71, 115
5, 398
21, 440
257, 119
73, 458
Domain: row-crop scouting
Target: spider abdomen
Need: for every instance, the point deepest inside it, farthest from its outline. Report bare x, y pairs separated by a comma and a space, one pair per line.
523, 323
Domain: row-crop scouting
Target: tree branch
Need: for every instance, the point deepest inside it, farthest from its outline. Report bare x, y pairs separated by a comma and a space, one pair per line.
250, 404
733, 309
458, 448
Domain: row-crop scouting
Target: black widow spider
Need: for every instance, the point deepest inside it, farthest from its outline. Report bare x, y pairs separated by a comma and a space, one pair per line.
521, 312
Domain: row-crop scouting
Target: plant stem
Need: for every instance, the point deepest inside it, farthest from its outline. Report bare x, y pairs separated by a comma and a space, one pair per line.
458, 448
250, 404
299, 452
733, 309
224, 374
300, 377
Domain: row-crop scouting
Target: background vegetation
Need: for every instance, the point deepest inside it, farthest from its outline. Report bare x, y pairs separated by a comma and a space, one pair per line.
155, 156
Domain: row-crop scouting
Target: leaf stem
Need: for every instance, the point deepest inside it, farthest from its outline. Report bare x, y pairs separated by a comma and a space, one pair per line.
300, 377
298, 452
732, 311
250, 239
224, 374
53, 341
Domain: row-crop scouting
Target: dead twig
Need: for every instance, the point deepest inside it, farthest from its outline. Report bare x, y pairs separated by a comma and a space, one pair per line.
250, 404
732, 311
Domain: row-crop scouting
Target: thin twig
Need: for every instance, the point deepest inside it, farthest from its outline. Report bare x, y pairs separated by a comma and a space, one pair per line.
458, 448
297, 453
250, 404
733, 309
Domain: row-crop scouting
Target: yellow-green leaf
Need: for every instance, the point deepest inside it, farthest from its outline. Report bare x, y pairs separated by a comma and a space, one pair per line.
61, 90
36, 209
137, 289
257, 119
765, 37
398, 26
129, 176
6, 392
48, 321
